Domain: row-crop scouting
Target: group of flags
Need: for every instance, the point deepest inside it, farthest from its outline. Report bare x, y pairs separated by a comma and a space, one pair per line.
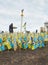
13, 41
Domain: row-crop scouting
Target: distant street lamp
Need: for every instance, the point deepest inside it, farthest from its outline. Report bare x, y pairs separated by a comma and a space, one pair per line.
21, 19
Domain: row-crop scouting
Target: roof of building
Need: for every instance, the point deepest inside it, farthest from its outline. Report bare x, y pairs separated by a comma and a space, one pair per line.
46, 23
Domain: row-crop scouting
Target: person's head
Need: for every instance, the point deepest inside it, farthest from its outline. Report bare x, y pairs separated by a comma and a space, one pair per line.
12, 24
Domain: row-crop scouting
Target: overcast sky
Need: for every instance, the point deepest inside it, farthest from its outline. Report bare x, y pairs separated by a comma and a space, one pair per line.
35, 13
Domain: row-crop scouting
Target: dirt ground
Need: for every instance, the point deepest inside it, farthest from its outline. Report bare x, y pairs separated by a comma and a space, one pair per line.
25, 57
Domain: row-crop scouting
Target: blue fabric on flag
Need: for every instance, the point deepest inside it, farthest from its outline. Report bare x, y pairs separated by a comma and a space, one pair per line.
23, 45
12, 45
35, 39
0, 40
2, 47
26, 45
25, 39
43, 44
40, 38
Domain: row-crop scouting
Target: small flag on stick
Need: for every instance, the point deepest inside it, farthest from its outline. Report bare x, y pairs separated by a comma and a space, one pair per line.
24, 25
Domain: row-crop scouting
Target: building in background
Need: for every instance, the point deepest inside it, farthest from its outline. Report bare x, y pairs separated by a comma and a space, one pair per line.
46, 26
42, 29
